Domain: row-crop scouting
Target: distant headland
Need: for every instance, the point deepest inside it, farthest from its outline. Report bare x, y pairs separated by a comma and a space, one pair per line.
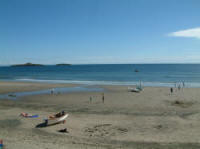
26, 64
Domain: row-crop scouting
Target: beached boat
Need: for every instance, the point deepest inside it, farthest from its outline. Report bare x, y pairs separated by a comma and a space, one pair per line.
137, 90
56, 120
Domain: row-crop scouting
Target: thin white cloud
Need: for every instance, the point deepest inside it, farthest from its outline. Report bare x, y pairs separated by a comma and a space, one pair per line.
192, 33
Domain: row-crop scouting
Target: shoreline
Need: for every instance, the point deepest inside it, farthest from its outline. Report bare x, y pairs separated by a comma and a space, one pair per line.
108, 83
26, 86
15, 86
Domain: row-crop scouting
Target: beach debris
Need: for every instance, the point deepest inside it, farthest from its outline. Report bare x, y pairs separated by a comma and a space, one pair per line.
63, 130
1, 144
26, 115
182, 104
122, 130
178, 102
159, 126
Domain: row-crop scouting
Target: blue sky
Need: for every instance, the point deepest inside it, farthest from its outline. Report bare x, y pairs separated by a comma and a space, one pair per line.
99, 31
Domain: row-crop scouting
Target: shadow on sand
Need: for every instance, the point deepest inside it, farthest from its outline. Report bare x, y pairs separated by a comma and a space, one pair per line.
41, 125
44, 124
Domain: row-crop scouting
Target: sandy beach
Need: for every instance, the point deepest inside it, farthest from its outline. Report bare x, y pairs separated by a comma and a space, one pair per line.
151, 119
100, 74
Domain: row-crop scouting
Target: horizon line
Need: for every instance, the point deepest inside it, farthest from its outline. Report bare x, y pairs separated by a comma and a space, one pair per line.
109, 63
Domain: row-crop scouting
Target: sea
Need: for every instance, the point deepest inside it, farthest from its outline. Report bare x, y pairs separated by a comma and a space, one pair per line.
107, 74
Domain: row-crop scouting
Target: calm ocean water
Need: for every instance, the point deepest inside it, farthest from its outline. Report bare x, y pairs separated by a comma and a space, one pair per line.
116, 74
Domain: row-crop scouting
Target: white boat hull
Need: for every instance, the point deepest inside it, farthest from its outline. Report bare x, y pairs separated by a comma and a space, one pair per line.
53, 121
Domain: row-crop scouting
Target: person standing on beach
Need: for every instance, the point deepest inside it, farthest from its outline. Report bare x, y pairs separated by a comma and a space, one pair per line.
171, 90
175, 85
52, 91
183, 84
90, 99
179, 87
103, 98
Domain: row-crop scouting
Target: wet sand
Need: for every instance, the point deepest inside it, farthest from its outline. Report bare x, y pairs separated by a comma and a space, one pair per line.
150, 119
7, 87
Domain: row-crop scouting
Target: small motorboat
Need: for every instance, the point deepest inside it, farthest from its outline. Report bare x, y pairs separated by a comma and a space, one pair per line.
136, 70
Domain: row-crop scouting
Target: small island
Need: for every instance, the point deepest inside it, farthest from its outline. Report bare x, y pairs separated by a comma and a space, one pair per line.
26, 64
63, 64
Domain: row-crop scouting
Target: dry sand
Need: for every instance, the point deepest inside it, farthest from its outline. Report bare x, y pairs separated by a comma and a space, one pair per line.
152, 119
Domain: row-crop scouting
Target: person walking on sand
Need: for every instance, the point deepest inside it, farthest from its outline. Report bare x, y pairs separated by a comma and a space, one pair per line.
103, 98
90, 99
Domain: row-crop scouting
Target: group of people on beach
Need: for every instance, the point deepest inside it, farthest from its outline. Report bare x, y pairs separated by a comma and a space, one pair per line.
103, 98
178, 85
